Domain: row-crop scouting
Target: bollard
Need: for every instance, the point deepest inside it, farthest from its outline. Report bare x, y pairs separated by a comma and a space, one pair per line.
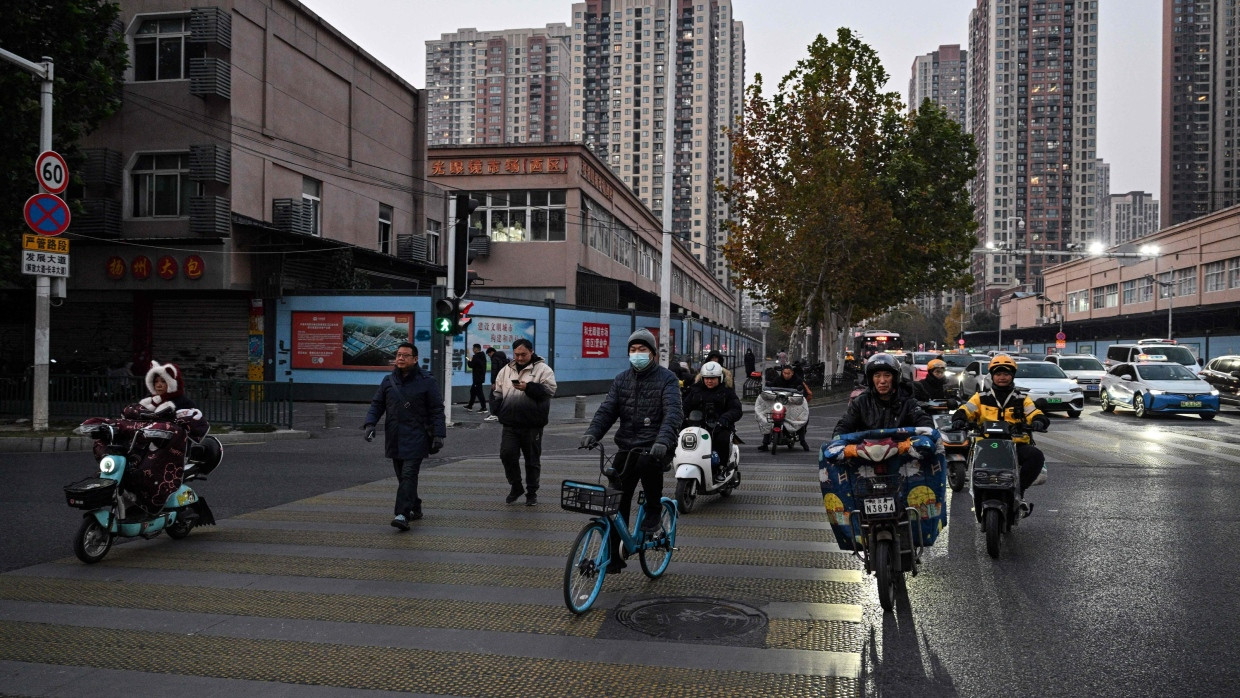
579, 407
330, 410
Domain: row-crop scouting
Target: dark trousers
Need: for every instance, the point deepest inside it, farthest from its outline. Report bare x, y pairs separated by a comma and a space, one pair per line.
407, 471
475, 390
649, 473
521, 441
721, 446
1031, 460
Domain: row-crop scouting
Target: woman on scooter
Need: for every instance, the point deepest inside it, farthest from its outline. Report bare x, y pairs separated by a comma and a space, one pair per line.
934, 385
887, 402
711, 396
160, 471
1000, 402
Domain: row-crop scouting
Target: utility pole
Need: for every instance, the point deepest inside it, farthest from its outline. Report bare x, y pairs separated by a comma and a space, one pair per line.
43, 283
665, 300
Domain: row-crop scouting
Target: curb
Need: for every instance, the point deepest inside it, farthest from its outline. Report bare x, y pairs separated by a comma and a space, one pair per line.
58, 444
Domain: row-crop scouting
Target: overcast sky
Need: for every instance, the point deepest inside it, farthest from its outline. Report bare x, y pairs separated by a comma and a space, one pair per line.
777, 33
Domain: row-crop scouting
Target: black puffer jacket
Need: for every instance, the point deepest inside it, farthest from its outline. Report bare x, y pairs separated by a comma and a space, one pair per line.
720, 400
930, 389
647, 403
867, 411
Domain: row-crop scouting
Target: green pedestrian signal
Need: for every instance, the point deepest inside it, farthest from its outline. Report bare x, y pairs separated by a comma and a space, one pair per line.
445, 316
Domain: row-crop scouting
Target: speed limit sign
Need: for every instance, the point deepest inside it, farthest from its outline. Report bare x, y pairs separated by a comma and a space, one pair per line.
52, 172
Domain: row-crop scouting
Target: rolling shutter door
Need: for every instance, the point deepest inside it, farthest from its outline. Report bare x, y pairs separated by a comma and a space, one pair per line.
206, 337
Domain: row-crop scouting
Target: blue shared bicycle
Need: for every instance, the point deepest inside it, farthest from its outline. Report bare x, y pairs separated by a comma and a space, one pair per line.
587, 562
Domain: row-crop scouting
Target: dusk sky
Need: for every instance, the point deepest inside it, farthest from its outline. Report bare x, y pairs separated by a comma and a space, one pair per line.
777, 33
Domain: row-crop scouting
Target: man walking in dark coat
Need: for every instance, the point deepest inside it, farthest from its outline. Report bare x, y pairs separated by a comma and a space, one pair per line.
498, 361
478, 371
645, 398
413, 428
751, 363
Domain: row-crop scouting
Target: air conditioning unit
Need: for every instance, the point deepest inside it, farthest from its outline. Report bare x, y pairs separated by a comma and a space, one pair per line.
1041, 321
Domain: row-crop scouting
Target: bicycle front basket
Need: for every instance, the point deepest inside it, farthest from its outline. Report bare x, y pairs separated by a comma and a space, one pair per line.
589, 498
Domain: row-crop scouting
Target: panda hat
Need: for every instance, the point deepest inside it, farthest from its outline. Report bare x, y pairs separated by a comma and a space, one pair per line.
171, 375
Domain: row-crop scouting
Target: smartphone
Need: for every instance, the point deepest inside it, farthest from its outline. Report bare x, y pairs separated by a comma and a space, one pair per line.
516, 382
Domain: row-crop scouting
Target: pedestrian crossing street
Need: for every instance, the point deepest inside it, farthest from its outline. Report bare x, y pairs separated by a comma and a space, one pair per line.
323, 595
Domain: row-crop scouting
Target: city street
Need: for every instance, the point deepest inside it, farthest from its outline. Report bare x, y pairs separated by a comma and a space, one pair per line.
1123, 582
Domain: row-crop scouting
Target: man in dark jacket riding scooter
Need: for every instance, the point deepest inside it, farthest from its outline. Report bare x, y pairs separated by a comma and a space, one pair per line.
712, 397
887, 402
787, 378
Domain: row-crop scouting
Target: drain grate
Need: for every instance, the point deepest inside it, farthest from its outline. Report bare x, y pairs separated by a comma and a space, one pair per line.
694, 619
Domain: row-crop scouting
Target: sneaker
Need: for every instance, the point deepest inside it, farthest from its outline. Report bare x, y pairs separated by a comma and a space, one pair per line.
616, 566
531, 499
399, 521
1041, 479
492, 418
651, 524
513, 495
718, 478
762, 447
468, 408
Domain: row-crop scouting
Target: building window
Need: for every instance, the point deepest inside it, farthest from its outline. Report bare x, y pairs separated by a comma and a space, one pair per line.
312, 200
522, 215
159, 50
1216, 276
161, 186
1233, 272
385, 229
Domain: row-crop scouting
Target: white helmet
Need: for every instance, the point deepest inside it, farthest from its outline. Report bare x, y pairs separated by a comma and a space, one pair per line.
712, 369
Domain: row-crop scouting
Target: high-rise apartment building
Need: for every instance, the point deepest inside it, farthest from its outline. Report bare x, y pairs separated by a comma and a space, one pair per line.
508, 86
1129, 216
654, 82
1200, 157
1033, 91
942, 77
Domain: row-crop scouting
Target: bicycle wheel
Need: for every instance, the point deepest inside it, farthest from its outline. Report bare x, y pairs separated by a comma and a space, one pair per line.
656, 552
583, 573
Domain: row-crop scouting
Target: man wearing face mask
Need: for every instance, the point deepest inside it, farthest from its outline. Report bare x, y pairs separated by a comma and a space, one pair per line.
645, 398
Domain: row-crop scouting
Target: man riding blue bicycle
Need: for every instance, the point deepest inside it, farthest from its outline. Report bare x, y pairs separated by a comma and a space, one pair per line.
645, 398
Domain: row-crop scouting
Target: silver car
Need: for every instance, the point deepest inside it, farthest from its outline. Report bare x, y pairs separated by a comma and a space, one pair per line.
1148, 387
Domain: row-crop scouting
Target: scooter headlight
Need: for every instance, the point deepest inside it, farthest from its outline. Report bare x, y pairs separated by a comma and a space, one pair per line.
779, 406
689, 441
108, 465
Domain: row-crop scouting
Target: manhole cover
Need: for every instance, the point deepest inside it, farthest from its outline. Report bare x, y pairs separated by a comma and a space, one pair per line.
689, 619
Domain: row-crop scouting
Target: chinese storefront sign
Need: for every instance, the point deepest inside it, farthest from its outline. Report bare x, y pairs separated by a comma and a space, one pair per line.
141, 267
595, 340
350, 341
596, 178
495, 166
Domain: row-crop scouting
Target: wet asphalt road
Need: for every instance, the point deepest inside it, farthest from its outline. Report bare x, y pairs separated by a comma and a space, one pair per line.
1123, 582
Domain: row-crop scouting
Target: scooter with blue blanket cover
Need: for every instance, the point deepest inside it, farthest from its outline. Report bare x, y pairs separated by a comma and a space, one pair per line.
111, 511
884, 491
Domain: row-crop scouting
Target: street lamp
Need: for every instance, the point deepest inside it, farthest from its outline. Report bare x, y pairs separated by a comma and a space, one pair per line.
1153, 251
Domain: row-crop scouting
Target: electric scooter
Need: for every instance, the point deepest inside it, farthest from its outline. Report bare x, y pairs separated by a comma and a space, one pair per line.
694, 462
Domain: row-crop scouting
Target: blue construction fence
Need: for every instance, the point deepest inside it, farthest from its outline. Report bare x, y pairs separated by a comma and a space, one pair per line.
337, 347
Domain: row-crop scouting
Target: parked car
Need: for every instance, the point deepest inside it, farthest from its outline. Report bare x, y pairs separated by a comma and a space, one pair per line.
1149, 387
1085, 369
1148, 350
1223, 373
1048, 386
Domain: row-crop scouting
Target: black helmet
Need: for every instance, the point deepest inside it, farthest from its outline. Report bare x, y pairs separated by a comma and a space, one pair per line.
881, 362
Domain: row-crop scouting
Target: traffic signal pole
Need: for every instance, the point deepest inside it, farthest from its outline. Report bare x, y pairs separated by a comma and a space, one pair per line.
43, 283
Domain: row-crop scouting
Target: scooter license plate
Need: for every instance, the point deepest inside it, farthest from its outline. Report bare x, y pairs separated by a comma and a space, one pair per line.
880, 505
1190, 403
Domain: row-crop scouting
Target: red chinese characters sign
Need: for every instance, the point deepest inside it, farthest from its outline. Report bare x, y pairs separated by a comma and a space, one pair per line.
595, 340
500, 165
167, 268
350, 341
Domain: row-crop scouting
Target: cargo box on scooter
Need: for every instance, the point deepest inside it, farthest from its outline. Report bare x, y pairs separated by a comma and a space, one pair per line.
91, 493
925, 489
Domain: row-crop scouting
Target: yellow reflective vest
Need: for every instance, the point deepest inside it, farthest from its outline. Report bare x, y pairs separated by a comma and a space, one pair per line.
985, 407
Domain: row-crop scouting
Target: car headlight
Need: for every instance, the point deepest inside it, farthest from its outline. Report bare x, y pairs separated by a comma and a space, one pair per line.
1214, 392
1077, 389
1158, 392
689, 441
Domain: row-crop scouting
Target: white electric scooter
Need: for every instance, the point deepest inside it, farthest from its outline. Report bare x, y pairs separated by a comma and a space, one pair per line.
693, 466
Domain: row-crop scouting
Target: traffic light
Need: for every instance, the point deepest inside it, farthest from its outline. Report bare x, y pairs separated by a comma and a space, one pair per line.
460, 243
462, 315
445, 315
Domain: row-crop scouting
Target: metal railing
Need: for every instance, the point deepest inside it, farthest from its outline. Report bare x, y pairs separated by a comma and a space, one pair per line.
236, 403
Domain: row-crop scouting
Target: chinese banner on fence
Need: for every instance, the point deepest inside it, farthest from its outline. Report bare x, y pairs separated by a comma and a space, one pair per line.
595, 340
353, 341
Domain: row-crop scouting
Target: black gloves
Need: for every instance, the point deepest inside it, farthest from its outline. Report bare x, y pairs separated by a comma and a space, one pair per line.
724, 423
436, 444
658, 451
587, 441
1040, 424
959, 425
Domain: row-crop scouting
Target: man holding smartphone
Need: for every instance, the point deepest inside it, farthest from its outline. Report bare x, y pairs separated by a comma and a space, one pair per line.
522, 401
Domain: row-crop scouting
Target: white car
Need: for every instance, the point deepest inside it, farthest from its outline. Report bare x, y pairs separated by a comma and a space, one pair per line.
1148, 387
1048, 386
1085, 369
